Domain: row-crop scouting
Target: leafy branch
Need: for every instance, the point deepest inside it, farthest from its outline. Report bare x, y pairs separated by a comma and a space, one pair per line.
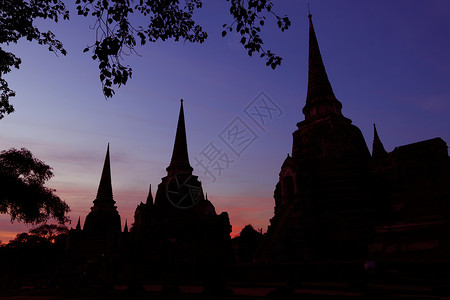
17, 21
249, 17
116, 36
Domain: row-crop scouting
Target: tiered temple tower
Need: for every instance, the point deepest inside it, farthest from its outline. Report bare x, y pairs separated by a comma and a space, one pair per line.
104, 217
180, 192
179, 189
97, 244
323, 202
181, 231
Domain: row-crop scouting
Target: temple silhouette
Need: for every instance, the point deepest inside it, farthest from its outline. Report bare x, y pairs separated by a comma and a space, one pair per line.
336, 202
178, 236
323, 199
341, 213
183, 236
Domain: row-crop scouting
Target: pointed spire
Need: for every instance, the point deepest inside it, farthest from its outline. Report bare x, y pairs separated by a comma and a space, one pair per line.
78, 225
149, 197
180, 158
320, 98
104, 199
125, 228
377, 146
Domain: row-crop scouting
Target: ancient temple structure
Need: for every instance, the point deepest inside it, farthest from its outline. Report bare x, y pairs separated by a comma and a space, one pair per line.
323, 199
180, 194
101, 233
180, 229
177, 237
412, 185
336, 205
104, 217
334, 201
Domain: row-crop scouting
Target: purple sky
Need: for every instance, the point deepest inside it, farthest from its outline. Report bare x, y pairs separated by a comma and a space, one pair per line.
388, 63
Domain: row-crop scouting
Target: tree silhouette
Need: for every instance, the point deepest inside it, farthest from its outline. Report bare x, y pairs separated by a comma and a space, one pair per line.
42, 236
22, 192
25, 240
116, 34
17, 21
50, 232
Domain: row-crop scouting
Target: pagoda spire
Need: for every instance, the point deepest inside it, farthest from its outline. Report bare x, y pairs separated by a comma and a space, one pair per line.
180, 159
125, 228
149, 197
320, 98
104, 199
377, 146
78, 225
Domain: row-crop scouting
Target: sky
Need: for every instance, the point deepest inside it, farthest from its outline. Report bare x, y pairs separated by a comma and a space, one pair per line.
388, 63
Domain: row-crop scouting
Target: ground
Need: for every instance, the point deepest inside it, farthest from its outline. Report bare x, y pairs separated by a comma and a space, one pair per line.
307, 290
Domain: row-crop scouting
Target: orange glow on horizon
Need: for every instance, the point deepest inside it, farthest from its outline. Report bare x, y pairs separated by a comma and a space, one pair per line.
241, 210
7, 236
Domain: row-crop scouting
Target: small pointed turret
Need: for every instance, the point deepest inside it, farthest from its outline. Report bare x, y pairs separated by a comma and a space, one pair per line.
377, 146
78, 228
180, 159
149, 197
125, 228
104, 199
320, 99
